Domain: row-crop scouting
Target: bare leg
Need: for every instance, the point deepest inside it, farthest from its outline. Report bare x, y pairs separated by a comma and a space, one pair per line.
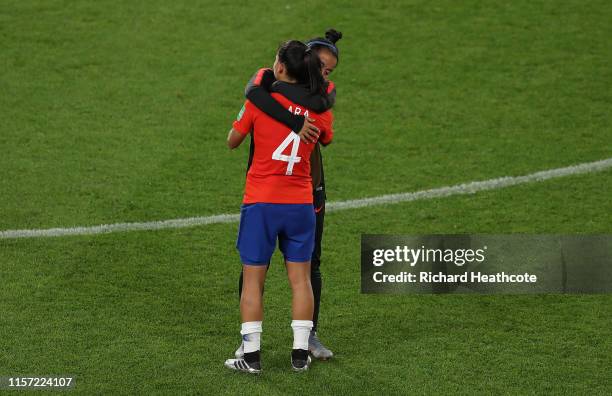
302, 303
251, 302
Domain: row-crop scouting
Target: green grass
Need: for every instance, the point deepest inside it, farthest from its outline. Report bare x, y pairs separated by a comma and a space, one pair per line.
115, 112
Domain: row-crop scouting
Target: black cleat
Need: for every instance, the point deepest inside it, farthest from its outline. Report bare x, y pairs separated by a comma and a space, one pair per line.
250, 363
300, 360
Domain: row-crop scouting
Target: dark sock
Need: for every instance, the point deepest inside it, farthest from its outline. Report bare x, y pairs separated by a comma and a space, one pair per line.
252, 357
240, 286
317, 284
299, 354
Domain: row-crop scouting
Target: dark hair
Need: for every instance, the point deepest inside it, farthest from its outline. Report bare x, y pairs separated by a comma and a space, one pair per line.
303, 64
331, 38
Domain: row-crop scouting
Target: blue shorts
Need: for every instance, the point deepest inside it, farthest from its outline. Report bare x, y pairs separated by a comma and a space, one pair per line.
261, 224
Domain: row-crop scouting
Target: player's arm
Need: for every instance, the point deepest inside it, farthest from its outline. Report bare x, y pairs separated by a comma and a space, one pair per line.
258, 92
320, 103
234, 138
327, 130
326, 141
327, 133
241, 127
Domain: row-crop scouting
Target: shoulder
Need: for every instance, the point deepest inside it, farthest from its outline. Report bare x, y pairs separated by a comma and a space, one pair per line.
262, 75
249, 109
326, 118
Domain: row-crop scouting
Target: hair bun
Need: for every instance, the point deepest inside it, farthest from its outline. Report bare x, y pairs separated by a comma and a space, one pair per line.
333, 35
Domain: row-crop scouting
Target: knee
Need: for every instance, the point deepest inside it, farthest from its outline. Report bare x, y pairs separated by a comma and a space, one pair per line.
251, 290
300, 283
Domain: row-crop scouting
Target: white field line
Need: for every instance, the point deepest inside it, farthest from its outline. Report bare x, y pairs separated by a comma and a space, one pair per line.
460, 189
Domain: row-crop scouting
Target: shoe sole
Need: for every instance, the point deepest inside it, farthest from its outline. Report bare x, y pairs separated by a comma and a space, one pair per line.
322, 358
246, 372
252, 371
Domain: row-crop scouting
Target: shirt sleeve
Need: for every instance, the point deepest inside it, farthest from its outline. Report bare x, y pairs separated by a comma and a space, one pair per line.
263, 78
327, 129
258, 92
331, 95
245, 120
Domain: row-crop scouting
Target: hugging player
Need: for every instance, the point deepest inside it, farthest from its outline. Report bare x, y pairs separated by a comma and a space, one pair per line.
278, 203
258, 93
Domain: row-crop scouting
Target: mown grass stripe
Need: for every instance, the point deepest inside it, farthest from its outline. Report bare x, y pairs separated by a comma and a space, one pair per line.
459, 189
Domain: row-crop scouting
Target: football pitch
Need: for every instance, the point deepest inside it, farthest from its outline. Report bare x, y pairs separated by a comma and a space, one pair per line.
117, 112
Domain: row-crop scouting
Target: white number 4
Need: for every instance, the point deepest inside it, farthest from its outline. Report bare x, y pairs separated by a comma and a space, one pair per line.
291, 159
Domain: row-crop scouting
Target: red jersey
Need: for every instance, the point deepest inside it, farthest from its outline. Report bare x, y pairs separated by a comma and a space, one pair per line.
280, 171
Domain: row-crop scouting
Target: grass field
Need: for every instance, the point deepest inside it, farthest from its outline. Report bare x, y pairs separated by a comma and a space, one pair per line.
117, 112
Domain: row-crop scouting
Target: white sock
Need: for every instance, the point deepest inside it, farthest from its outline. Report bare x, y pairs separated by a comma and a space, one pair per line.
301, 332
251, 336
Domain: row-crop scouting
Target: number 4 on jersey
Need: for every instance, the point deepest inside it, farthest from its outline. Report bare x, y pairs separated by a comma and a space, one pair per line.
291, 159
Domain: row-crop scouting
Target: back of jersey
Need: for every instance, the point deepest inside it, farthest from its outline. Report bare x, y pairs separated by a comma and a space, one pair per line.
280, 167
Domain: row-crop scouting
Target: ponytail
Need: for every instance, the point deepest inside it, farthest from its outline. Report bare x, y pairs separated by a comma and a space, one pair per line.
304, 65
316, 82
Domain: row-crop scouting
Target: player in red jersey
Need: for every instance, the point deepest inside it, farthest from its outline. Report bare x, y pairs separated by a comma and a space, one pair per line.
277, 204
258, 92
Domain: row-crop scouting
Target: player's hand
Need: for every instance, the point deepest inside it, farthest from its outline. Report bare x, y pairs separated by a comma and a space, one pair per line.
309, 132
